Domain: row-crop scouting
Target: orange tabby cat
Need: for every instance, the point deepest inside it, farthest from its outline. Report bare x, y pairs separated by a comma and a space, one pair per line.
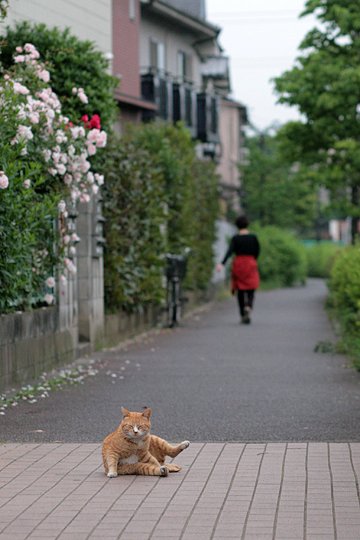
132, 450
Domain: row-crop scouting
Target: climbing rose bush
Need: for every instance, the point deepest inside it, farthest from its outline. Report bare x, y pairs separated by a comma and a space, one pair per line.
45, 170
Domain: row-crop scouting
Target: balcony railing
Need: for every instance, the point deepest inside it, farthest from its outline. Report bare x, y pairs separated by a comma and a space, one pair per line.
184, 106
179, 101
207, 114
157, 88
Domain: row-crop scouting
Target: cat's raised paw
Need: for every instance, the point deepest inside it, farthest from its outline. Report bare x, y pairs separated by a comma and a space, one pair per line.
185, 444
164, 471
112, 474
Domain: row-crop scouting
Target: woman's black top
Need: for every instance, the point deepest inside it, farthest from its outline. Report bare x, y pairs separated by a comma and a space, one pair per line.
243, 244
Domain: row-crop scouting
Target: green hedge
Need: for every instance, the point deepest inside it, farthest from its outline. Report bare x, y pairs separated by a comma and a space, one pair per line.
344, 287
158, 198
132, 207
320, 258
282, 262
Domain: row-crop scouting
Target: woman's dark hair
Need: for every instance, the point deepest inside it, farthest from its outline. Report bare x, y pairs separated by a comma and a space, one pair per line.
242, 222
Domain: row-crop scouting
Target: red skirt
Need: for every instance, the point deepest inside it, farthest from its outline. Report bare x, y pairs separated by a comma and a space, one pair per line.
244, 273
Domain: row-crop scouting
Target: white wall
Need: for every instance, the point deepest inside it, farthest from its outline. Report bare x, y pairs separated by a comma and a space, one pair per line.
174, 40
224, 232
87, 19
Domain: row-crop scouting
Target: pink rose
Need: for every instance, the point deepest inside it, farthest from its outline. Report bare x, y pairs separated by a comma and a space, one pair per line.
20, 89
91, 148
4, 181
44, 75
84, 198
83, 98
29, 47
75, 237
68, 179
70, 266
93, 135
50, 282
62, 206
25, 133
34, 117
101, 140
84, 166
49, 298
99, 178
61, 168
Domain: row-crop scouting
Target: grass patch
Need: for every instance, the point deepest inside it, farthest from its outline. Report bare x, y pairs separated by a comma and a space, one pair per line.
349, 338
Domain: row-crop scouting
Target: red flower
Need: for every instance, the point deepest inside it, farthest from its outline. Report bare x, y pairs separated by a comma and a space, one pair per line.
85, 119
95, 122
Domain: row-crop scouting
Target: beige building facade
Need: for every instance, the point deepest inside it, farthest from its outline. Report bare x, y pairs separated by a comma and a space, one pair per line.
87, 19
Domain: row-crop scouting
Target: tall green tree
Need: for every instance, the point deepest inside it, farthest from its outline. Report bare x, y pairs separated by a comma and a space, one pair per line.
324, 86
275, 192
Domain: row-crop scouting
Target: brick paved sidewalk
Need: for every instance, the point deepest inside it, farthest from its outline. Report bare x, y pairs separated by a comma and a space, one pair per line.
225, 491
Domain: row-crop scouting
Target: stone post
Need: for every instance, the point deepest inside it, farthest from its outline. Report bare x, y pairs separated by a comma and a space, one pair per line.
90, 273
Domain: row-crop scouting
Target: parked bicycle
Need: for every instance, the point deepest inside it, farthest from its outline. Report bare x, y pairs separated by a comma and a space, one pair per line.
176, 266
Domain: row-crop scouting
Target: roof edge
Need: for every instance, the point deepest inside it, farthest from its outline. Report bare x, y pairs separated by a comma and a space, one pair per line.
197, 25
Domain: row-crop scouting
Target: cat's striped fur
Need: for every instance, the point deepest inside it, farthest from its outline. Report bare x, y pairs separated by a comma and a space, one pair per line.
131, 449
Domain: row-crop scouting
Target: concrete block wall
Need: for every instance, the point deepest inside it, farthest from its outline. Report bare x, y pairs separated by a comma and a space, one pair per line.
31, 343
122, 325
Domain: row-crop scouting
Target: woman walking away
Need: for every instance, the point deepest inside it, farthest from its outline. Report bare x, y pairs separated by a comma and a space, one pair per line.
244, 272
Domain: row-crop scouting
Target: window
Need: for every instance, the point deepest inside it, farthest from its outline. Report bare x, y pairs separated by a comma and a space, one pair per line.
157, 55
132, 10
184, 66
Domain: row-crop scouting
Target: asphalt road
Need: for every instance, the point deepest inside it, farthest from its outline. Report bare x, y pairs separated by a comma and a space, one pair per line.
213, 379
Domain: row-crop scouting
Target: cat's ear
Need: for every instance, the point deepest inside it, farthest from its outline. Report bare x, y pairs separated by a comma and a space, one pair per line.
125, 412
147, 412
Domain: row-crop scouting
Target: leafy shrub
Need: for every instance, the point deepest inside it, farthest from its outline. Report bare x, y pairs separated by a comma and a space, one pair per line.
190, 195
344, 287
345, 284
282, 260
158, 198
203, 210
172, 153
71, 63
43, 159
135, 217
320, 258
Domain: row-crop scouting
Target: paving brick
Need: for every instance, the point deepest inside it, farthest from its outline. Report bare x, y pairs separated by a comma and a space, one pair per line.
59, 491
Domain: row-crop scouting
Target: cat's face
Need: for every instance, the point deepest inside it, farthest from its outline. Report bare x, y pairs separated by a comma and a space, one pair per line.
136, 425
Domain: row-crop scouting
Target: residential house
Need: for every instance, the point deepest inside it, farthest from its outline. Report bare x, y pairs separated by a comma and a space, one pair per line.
185, 73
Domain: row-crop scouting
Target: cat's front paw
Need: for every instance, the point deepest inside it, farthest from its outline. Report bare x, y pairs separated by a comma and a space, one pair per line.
185, 444
164, 471
112, 474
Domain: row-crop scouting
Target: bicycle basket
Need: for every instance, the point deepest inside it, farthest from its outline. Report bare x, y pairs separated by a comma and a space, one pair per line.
176, 266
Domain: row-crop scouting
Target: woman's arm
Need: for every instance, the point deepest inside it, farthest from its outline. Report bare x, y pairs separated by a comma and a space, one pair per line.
229, 252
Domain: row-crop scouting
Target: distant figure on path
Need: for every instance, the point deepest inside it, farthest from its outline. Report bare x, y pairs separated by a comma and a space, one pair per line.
244, 272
